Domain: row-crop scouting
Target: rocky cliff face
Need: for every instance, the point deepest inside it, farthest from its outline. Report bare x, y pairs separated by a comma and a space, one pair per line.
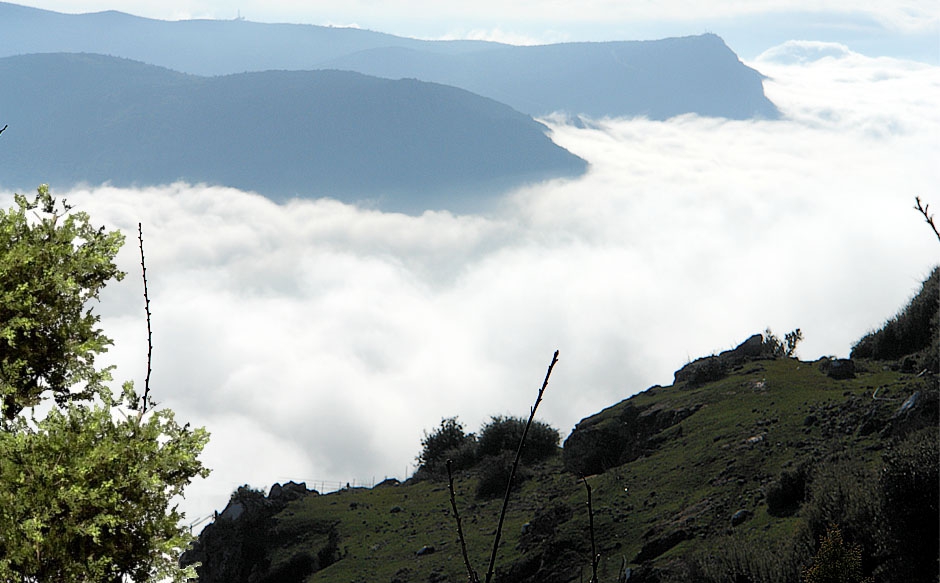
237, 546
617, 436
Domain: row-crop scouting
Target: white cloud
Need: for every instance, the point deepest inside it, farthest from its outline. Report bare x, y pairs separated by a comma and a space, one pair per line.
317, 340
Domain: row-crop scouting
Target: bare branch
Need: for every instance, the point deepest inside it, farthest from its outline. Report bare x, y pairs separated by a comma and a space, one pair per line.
472, 576
927, 217
595, 558
143, 267
4, 128
515, 466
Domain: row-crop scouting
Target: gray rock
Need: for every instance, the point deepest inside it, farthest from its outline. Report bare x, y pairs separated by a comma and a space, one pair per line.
425, 550
841, 369
740, 516
908, 405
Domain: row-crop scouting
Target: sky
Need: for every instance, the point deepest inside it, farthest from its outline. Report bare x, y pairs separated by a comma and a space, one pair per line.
900, 28
317, 340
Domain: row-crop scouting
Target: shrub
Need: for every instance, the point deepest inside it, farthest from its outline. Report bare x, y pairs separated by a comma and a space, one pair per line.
449, 441
502, 434
744, 557
846, 492
910, 482
494, 472
914, 329
787, 348
836, 561
786, 493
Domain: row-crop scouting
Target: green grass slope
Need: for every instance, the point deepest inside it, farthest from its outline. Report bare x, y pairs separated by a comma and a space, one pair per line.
655, 514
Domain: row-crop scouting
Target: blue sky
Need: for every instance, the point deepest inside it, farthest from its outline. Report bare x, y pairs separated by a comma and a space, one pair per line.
899, 28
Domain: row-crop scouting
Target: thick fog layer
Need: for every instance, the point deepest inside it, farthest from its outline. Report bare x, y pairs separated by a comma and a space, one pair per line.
317, 340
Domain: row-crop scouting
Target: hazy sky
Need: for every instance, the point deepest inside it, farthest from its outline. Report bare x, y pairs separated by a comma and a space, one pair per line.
317, 340
901, 28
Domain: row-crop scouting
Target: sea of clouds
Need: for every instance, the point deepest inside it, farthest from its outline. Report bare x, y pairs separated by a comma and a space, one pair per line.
317, 340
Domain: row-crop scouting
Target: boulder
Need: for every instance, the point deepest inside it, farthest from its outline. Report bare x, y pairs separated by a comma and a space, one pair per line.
838, 368
425, 550
740, 517
288, 492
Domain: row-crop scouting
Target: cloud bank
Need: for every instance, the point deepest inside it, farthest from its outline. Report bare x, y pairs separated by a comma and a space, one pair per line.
317, 340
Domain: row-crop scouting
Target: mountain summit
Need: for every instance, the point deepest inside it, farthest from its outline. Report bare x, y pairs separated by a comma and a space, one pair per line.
657, 79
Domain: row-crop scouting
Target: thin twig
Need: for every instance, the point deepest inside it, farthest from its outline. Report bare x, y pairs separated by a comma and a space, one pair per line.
143, 267
595, 558
515, 466
472, 576
927, 217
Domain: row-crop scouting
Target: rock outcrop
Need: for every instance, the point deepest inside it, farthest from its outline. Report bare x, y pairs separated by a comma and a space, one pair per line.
617, 435
712, 368
235, 548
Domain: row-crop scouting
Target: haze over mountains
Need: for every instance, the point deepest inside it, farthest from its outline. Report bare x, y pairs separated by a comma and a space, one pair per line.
285, 110
656, 79
91, 118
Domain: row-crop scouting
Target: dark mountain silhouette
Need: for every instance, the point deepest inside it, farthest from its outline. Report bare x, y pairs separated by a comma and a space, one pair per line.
657, 79
407, 145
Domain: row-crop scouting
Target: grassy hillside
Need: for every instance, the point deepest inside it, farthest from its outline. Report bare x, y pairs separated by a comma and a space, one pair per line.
733, 479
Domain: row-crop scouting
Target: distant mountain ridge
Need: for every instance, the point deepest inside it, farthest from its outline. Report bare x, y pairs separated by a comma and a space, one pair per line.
404, 145
656, 79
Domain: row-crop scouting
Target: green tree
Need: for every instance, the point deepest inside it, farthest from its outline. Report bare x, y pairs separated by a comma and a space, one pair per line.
449, 441
52, 264
504, 434
87, 490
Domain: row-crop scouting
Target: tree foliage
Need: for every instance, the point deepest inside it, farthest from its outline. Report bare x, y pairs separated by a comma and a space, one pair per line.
504, 434
785, 349
448, 441
52, 263
86, 490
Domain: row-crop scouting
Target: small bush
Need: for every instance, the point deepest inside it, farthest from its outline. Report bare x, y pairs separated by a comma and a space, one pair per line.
785, 494
836, 561
910, 482
449, 441
914, 329
494, 472
502, 434
744, 557
785, 349
846, 492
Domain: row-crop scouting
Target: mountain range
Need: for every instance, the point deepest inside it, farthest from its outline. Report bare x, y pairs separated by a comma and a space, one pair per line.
657, 79
402, 145
309, 111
